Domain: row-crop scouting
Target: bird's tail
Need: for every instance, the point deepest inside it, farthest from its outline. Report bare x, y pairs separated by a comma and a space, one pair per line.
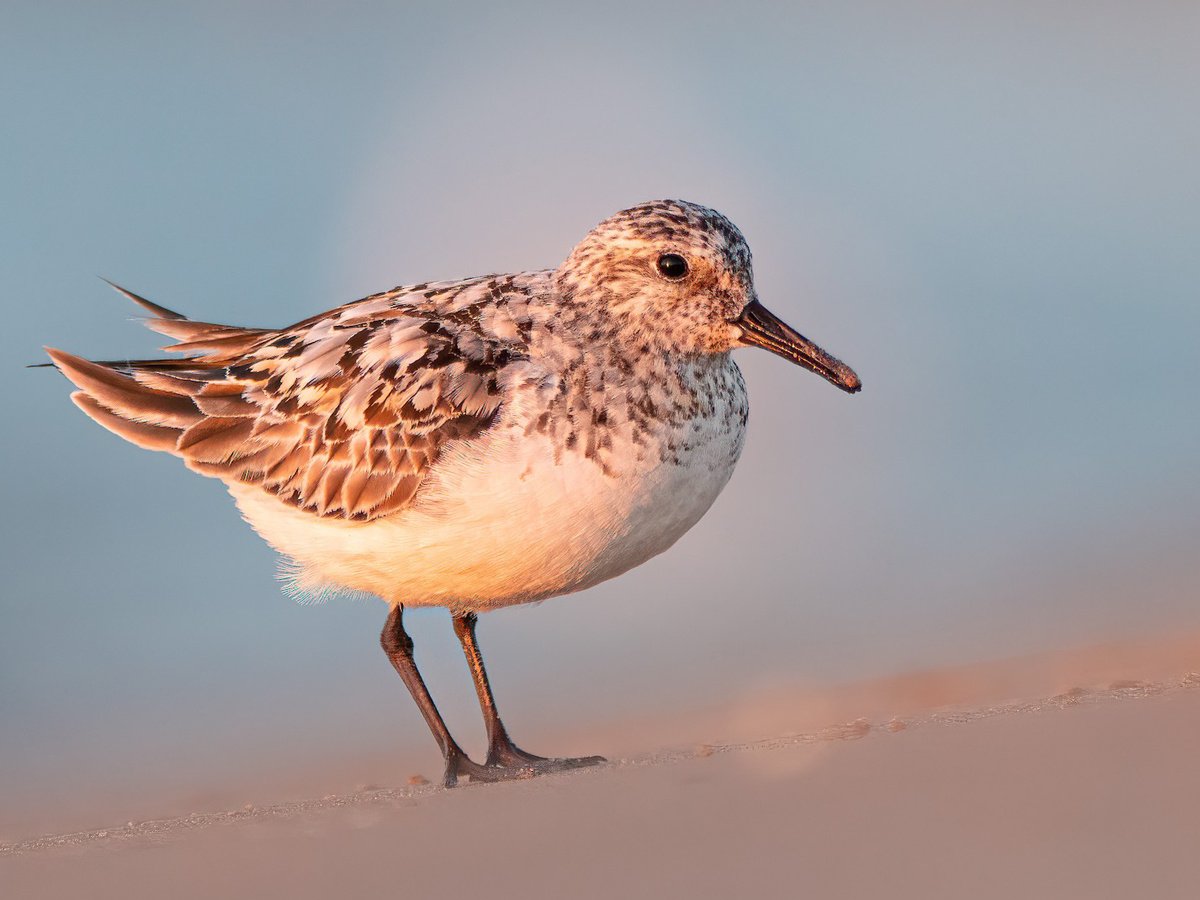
154, 402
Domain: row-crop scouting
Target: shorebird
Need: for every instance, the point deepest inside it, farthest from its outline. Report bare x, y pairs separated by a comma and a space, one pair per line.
478, 443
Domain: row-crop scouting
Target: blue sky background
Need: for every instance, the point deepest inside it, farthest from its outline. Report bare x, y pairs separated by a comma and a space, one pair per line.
992, 211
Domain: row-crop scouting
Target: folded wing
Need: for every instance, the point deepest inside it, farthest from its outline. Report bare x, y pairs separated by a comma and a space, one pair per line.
342, 415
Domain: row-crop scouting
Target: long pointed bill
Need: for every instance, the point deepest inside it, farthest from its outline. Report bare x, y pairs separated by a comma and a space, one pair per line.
761, 328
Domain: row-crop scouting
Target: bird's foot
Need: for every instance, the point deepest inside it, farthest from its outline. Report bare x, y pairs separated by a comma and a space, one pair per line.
511, 756
511, 764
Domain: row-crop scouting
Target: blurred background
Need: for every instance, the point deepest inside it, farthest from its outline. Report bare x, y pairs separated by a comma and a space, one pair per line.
990, 210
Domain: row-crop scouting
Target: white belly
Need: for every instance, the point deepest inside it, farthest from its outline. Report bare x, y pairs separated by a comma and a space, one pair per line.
503, 522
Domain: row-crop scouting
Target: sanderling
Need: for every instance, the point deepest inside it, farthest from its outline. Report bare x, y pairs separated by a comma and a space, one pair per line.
479, 443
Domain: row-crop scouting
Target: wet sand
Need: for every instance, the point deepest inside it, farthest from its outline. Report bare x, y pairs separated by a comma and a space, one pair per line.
1073, 774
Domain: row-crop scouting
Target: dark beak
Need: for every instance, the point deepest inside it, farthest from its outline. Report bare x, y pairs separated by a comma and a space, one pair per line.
761, 328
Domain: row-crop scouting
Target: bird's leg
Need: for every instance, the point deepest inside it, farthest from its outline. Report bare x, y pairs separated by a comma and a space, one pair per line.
399, 649
502, 752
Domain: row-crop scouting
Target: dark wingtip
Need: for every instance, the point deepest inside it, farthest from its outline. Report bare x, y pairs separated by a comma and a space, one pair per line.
161, 311
50, 365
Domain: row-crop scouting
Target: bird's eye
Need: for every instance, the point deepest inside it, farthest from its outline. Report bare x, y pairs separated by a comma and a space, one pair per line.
672, 266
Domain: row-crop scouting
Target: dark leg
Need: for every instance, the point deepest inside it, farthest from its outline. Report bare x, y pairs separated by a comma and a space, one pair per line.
399, 649
502, 752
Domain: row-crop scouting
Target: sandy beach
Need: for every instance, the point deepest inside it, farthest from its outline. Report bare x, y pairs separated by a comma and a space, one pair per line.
1066, 774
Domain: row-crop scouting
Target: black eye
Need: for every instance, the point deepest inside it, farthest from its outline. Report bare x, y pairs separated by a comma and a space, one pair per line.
672, 266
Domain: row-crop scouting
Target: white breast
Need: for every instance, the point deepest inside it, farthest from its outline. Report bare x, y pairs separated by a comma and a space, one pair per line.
512, 519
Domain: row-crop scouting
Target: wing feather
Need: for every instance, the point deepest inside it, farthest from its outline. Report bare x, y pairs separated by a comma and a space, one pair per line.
343, 415
151, 437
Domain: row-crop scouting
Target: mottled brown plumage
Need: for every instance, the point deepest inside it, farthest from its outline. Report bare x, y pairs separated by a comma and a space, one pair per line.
341, 415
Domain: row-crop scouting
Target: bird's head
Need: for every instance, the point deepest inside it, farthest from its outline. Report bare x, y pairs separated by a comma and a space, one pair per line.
676, 277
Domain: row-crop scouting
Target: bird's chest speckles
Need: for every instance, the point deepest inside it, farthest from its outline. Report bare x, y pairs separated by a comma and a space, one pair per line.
626, 413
